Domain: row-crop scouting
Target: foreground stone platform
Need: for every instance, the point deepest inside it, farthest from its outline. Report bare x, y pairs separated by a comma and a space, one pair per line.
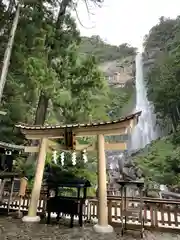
13, 229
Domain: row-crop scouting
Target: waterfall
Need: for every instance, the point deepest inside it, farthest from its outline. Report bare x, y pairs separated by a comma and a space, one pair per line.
146, 129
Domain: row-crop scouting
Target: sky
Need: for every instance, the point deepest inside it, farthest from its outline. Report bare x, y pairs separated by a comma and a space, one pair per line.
120, 21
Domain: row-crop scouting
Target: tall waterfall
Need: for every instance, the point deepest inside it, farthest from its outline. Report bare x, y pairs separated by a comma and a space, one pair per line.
146, 129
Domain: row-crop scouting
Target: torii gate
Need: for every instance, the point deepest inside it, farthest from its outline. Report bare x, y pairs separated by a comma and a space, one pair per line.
69, 133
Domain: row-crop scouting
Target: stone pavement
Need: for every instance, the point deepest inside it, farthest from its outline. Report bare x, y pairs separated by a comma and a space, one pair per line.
13, 229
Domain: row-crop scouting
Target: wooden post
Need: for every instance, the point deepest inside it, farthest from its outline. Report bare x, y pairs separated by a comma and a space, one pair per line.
32, 217
22, 192
11, 194
2, 189
102, 225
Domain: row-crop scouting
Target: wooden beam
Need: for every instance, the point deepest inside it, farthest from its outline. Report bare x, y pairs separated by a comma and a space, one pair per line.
106, 129
31, 149
11, 146
88, 147
56, 134
116, 146
105, 132
80, 147
39, 134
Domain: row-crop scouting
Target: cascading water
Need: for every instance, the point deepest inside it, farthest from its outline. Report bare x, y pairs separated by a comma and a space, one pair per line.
143, 134
146, 129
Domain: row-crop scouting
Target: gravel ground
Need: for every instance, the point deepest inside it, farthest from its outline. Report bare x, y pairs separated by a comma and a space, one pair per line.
13, 229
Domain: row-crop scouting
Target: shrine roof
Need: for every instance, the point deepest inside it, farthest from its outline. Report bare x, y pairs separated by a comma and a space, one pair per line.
11, 146
76, 125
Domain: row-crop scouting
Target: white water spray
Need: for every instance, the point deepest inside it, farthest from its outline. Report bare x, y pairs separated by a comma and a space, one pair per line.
146, 129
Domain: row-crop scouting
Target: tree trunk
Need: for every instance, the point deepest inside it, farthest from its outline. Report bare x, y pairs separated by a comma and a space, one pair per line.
62, 11
7, 54
40, 118
41, 110
12, 3
173, 123
178, 112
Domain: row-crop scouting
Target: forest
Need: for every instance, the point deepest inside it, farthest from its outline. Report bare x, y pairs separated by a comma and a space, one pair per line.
160, 160
53, 74
42, 87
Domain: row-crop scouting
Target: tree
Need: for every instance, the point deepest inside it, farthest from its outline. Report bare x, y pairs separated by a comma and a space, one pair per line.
160, 34
77, 86
163, 77
39, 11
8, 50
43, 99
159, 162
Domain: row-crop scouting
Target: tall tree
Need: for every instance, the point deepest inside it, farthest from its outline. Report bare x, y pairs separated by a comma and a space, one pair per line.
43, 99
163, 77
8, 50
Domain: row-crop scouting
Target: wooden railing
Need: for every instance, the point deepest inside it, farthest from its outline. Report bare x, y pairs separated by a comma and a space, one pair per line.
158, 213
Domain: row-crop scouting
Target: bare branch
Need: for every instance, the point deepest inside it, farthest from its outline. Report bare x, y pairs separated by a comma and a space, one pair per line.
80, 20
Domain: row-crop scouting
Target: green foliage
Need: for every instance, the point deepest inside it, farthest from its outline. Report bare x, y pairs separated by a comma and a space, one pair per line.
103, 51
176, 136
163, 77
86, 90
161, 34
119, 98
156, 161
27, 170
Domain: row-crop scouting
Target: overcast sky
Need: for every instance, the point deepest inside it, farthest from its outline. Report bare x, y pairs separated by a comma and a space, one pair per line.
119, 21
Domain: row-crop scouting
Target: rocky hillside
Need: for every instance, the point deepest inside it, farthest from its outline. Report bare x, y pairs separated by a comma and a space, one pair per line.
119, 72
159, 39
116, 62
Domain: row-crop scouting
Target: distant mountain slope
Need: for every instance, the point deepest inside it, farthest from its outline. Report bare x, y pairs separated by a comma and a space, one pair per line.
103, 51
118, 65
116, 62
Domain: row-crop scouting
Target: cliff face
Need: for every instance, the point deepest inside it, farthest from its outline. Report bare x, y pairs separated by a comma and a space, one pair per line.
116, 62
119, 73
149, 58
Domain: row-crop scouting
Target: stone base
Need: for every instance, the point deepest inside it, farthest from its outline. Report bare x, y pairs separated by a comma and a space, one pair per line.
31, 219
103, 229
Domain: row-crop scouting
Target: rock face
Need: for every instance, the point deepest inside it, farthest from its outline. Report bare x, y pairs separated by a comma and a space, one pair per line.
119, 73
149, 58
120, 166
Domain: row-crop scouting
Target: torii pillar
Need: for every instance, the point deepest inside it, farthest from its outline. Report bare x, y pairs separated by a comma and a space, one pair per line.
32, 211
102, 226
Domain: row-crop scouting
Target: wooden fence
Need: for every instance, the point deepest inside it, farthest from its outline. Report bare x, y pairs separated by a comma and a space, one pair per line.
158, 213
